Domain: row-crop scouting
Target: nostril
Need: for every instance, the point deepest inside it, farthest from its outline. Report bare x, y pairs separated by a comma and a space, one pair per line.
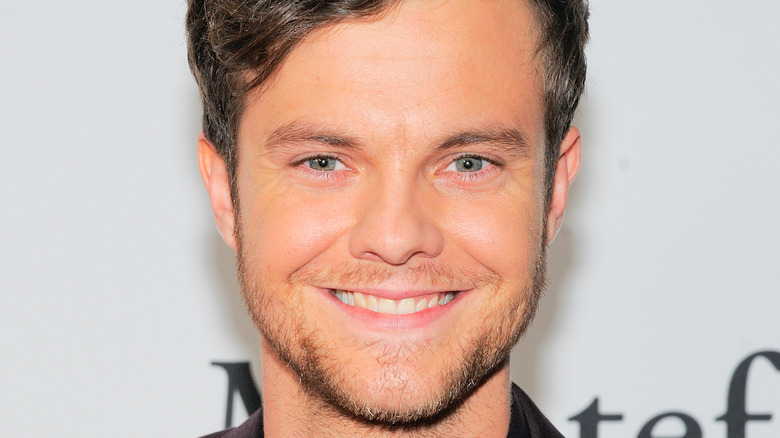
368, 255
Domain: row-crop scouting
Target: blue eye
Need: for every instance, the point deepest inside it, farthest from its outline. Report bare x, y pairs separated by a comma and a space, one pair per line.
324, 164
467, 164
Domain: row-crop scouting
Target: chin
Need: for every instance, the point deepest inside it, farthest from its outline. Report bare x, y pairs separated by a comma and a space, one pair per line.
394, 384
393, 396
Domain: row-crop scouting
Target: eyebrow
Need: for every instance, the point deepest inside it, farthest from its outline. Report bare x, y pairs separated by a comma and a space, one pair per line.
510, 139
297, 132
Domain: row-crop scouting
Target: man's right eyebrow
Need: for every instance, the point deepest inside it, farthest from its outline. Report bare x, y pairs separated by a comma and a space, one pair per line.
297, 132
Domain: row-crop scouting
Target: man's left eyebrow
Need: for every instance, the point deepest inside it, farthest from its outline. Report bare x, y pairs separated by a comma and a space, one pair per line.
511, 139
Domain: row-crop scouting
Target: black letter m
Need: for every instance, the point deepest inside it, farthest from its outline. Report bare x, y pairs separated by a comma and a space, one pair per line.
240, 379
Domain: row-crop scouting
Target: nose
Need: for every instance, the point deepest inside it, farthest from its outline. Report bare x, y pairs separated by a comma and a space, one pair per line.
395, 225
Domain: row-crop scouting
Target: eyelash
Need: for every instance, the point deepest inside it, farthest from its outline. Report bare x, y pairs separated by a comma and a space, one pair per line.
494, 166
319, 174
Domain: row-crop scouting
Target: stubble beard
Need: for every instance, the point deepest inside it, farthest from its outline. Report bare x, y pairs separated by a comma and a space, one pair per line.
309, 355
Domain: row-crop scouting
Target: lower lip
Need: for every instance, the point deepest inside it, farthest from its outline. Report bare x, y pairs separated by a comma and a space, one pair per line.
387, 321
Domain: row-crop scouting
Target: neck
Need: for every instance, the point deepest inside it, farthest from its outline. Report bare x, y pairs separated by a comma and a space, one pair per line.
289, 411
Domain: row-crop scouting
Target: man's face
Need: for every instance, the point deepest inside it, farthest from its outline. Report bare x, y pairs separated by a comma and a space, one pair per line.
391, 218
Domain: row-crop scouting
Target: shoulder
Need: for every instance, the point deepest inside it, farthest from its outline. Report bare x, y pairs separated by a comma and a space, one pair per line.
527, 420
251, 428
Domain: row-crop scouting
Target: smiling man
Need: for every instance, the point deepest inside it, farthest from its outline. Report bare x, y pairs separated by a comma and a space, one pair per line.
389, 174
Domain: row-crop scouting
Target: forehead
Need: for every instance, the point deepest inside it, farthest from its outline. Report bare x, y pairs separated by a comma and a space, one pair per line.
422, 66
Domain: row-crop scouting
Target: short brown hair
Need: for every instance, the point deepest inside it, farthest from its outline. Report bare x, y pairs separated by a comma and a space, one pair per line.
235, 45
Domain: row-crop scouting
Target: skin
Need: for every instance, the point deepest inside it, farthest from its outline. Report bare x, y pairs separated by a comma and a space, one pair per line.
383, 100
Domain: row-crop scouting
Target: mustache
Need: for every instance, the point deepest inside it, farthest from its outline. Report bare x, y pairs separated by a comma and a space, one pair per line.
426, 274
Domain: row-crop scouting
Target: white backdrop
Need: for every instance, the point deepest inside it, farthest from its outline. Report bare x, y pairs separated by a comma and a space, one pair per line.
117, 292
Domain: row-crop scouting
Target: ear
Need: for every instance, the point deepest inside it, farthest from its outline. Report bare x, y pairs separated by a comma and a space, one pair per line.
565, 170
215, 177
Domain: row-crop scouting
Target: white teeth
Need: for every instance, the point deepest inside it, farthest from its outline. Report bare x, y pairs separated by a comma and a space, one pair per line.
405, 306
372, 304
387, 306
360, 300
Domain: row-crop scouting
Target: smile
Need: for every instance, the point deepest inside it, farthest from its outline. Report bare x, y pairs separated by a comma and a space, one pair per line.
387, 306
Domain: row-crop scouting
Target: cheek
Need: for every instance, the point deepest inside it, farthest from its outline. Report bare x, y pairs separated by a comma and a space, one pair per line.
284, 229
501, 233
